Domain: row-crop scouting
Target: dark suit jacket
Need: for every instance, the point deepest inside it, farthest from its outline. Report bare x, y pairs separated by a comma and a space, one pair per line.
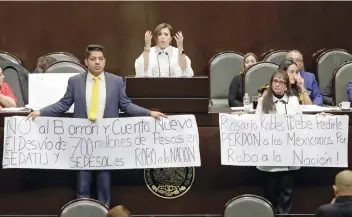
327, 93
341, 208
235, 92
116, 99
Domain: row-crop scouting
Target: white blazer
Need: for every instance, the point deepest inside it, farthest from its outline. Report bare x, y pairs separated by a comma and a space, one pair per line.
162, 63
285, 105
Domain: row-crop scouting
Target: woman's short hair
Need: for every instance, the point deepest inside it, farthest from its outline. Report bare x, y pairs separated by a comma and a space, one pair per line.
158, 29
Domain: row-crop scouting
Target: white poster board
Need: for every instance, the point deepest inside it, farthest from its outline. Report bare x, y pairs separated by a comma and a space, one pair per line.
284, 140
47, 88
115, 143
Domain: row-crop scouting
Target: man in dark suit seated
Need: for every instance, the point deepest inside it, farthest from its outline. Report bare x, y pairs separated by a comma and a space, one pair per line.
341, 205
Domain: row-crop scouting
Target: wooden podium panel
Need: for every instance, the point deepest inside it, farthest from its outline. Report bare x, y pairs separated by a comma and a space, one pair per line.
174, 105
171, 95
194, 87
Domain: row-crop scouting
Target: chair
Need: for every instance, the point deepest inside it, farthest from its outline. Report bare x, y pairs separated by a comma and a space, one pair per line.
65, 67
249, 205
60, 56
256, 76
10, 57
328, 62
276, 56
84, 207
222, 68
17, 77
341, 77
315, 57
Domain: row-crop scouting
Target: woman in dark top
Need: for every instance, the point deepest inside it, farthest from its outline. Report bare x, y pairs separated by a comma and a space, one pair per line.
235, 96
296, 81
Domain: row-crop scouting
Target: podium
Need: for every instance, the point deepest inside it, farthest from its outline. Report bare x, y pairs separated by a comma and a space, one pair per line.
170, 95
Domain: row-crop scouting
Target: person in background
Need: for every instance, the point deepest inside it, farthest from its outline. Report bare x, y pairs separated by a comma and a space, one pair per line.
22, 73
327, 93
341, 205
7, 98
119, 211
349, 90
44, 63
235, 96
96, 95
163, 60
278, 181
296, 81
309, 80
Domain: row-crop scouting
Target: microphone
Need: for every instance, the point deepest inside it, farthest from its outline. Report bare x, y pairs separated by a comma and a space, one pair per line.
158, 61
283, 102
168, 57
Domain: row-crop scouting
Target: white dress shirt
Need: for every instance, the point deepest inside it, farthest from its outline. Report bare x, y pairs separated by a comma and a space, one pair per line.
101, 96
285, 105
163, 63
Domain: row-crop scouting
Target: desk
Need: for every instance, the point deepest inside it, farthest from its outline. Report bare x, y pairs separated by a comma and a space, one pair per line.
45, 191
182, 95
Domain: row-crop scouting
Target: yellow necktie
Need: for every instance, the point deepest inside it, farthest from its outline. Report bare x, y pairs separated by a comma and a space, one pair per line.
94, 103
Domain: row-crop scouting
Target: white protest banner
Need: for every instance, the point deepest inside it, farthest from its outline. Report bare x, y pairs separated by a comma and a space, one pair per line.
115, 143
284, 140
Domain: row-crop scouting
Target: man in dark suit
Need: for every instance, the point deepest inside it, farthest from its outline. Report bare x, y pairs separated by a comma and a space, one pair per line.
96, 95
341, 206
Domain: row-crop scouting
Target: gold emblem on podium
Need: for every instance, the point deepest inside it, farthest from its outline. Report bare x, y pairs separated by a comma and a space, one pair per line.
169, 183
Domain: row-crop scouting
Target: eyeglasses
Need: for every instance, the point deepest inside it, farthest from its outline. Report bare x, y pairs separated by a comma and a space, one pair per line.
279, 82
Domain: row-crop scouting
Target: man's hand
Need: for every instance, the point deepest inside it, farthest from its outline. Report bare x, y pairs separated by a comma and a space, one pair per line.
33, 115
157, 115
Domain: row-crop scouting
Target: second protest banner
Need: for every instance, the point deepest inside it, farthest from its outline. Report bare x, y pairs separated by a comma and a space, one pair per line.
284, 140
116, 143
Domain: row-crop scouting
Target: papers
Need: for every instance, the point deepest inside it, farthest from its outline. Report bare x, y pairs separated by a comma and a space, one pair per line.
305, 108
315, 108
14, 109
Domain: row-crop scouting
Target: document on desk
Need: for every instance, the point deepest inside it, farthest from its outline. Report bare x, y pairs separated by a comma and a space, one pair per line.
315, 108
47, 88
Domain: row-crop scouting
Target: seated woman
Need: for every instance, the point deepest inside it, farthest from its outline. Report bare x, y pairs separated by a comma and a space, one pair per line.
235, 96
163, 60
296, 81
7, 98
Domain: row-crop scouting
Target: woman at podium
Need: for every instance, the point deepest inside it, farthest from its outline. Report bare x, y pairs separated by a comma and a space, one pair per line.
163, 60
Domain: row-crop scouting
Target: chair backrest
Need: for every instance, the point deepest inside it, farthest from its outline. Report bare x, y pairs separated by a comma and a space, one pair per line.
10, 57
249, 206
328, 62
85, 208
276, 56
256, 76
340, 79
222, 68
60, 56
65, 67
17, 77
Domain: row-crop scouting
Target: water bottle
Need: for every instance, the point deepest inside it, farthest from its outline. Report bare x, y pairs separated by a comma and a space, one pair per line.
246, 103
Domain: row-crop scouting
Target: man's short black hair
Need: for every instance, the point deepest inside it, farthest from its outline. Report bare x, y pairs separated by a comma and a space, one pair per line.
94, 47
